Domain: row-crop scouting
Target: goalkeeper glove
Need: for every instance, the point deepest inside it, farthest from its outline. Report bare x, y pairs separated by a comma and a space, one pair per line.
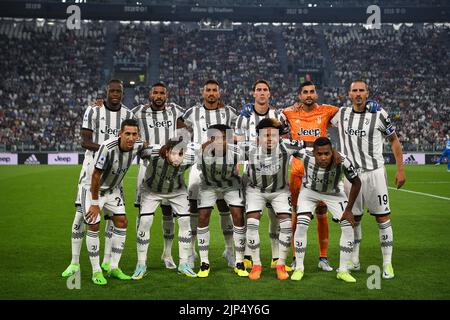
247, 110
372, 106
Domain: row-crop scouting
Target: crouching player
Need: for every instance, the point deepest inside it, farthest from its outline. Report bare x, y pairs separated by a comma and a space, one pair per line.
110, 166
267, 174
164, 181
220, 180
322, 182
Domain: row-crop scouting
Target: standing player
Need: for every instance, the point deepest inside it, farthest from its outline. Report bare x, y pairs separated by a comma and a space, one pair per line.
158, 122
197, 119
220, 180
308, 121
361, 139
105, 192
267, 183
99, 124
246, 124
164, 181
322, 182
445, 154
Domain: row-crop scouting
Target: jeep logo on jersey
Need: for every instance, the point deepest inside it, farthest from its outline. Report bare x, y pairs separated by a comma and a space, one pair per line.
309, 132
109, 130
353, 132
161, 124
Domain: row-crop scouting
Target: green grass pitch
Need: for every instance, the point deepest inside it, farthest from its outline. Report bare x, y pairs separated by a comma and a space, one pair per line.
37, 212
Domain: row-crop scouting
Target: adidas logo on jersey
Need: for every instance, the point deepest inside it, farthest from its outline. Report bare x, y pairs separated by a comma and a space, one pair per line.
32, 160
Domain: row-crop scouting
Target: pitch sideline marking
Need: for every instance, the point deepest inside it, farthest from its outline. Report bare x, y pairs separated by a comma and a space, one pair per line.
421, 193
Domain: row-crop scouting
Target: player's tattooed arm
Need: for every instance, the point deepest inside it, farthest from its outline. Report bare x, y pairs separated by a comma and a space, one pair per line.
396, 146
94, 208
87, 142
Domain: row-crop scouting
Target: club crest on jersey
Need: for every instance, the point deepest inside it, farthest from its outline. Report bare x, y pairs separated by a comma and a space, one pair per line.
109, 130
319, 120
309, 132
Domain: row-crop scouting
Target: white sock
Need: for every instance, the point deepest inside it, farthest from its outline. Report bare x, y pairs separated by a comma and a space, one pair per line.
203, 237
253, 239
300, 240
239, 242
357, 231
194, 224
109, 226
118, 244
93, 247
226, 224
143, 238
78, 228
346, 245
168, 226
386, 241
184, 238
284, 240
274, 233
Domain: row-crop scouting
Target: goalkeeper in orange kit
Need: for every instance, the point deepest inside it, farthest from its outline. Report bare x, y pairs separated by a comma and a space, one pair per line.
308, 121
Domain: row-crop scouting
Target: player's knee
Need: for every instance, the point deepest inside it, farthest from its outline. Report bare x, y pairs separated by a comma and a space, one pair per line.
166, 210
222, 205
94, 227
357, 218
383, 218
193, 206
203, 217
120, 222
321, 209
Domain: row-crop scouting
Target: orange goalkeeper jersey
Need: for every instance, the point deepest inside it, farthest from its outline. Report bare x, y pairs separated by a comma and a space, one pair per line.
308, 126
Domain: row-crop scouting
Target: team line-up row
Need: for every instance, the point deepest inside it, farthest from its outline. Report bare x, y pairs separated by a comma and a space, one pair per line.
264, 140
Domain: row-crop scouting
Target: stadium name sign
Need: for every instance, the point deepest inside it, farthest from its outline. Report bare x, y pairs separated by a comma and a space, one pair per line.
212, 10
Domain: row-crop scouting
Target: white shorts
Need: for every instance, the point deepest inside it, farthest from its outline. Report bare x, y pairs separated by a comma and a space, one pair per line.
194, 183
257, 200
177, 200
373, 194
85, 177
208, 196
111, 202
308, 200
139, 181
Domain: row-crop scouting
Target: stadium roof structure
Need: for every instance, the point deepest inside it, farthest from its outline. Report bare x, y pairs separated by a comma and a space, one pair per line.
302, 11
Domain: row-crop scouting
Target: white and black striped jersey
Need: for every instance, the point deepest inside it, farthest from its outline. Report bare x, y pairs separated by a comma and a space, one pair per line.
246, 127
269, 172
161, 177
157, 127
325, 180
198, 118
220, 170
104, 123
362, 135
115, 163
